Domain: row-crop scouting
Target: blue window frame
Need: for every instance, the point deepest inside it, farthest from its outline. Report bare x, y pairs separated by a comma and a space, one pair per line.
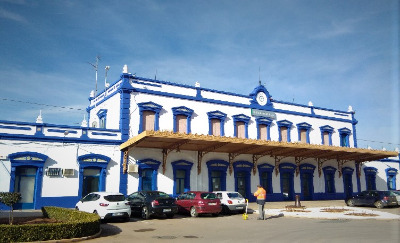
265, 173
217, 175
344, 134
218, 115
262, 121
148, 172
91, 163
32, 162
153, 107
102, 115
329, 175
347, 173
286, 171
326, 135
307, 181
183, 111
284, 124
370, 178
245, 120
391, 178
181, 171
242, 173
304, 127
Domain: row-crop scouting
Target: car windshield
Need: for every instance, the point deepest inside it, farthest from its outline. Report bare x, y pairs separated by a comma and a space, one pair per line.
114, 198
234, 195
396, 193
208, 196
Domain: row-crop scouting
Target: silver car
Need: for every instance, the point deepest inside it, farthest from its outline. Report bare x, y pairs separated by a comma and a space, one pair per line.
231, 201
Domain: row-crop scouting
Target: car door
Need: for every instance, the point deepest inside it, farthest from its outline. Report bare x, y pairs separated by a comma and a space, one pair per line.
182, 202
135, 202
87, 204
360, 199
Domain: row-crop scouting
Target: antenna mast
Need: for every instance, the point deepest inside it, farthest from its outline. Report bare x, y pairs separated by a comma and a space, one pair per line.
105, 79
96, 68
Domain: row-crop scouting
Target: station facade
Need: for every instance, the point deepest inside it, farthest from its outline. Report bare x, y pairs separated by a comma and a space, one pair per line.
146, 134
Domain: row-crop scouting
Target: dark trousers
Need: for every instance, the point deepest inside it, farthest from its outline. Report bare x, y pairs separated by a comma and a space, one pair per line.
261, 208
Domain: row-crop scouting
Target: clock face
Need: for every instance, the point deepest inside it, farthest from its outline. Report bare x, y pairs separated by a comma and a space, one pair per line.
261, 98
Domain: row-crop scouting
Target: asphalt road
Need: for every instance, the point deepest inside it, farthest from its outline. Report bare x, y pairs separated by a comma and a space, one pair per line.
234, 229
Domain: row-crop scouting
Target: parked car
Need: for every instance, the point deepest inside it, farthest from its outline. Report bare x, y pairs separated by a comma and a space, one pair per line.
397, 195
106, 204
231, 201
199, 202
148, 203
378, 199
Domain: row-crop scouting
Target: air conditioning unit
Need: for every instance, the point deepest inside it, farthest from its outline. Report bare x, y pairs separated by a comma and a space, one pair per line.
53, 172
68, 172
133, 168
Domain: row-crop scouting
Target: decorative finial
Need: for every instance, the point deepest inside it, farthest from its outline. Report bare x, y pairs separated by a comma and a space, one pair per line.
84, 122
310, 103
39, 118
350, 109
125, 69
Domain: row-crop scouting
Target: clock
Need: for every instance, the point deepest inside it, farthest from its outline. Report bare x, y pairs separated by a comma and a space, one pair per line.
261, 98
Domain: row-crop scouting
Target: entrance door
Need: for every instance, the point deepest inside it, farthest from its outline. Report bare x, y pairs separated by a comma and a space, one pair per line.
307, 186
147, 177
25, 178
241, 183
91, 181
348, 185
287, 187
216, 180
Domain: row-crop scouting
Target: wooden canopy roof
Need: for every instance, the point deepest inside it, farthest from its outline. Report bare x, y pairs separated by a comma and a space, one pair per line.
170, 141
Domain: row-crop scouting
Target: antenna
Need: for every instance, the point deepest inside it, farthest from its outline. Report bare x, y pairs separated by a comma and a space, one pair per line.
105, 79
259, 76
155, 75
95, 67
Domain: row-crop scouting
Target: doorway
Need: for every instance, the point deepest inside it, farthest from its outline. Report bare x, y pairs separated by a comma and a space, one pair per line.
25, 180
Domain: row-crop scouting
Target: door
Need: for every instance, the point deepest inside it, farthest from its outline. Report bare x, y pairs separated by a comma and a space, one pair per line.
348, 185
91, 181
287, 187
215, 180
306, 186
147, 177
241, 183
180, 182
25, 178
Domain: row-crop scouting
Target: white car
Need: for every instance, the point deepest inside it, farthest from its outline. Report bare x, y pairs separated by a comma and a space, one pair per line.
105, 204
231, 201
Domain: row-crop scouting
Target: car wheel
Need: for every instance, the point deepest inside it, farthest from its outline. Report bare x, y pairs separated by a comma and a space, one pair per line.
145, 213
378, 204
170, 215
193, 212
76, 208
225, 210
350, 203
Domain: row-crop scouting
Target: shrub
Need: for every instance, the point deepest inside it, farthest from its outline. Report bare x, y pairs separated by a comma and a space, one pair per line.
73, 224
9, 199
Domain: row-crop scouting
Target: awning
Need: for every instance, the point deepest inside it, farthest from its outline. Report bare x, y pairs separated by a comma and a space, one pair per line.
169, 141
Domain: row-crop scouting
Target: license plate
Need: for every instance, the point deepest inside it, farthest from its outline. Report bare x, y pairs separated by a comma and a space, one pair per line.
212, 204
117, 214
167, 210
239, 207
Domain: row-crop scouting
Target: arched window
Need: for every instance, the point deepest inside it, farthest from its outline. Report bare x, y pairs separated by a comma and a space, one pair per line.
216, 120
102, 115
241, 125
182, 119
149, 116
391, 178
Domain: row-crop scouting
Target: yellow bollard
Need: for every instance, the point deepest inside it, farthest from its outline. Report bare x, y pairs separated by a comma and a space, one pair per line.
245, 216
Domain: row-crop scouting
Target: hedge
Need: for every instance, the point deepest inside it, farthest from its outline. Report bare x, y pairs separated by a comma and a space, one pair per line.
74, 224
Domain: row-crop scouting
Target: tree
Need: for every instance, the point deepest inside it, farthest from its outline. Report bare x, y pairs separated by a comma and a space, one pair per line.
9, 199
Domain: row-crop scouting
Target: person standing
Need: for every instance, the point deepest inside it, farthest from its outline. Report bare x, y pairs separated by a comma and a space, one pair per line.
261, 195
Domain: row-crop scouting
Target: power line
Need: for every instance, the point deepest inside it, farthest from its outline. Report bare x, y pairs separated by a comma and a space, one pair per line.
372, 141
33, 103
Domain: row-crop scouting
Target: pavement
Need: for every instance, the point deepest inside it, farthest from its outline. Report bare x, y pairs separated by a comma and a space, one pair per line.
312, 209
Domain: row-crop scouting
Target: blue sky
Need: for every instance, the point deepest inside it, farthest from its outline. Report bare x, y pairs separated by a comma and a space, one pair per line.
333, 53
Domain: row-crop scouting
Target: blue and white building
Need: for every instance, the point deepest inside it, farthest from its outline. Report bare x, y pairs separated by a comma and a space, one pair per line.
146, 134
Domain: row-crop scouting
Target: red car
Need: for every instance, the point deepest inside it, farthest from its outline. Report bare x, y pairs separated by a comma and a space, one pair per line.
198, 202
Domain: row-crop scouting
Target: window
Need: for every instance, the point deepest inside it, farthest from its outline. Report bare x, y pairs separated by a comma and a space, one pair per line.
329, 174
181, 170
241, 123
148, 172
344, 134
217, 175
391, 178
326, 134
263, 128
304, 132
242, 173
216, 121
102, 115
149, 116
284, 130
182, 117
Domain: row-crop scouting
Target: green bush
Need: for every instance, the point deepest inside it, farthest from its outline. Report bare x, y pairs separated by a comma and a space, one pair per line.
74, 224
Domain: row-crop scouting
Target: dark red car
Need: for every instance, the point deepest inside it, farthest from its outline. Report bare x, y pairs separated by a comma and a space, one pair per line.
198, 202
